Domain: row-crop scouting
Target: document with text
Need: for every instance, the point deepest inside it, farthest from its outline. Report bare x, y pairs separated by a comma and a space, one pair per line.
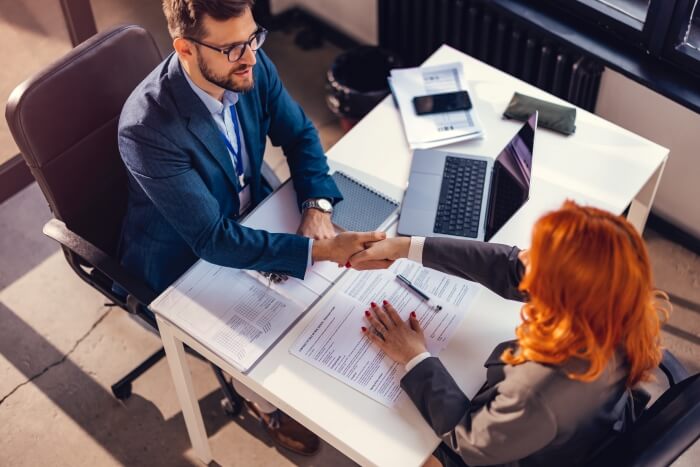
333, 340
234, 315
429, 131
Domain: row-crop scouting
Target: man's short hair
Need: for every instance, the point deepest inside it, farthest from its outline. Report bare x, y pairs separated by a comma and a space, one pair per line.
185, 16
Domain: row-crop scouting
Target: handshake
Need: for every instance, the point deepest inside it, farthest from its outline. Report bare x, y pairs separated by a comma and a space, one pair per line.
361, 250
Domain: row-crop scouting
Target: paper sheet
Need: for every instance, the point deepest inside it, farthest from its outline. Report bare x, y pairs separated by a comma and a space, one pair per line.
334, 343
426, 131
236, 316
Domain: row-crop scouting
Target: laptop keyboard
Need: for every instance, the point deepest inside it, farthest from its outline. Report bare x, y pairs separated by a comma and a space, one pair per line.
461, 193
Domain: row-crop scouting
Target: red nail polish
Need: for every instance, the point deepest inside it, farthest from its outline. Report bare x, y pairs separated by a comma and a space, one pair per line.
347, 265
364, 329
373, 304
385, 303
413, 314
367, 313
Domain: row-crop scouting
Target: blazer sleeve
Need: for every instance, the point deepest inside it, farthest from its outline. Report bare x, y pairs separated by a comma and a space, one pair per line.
166, 175
291, 129
514, 424
495, 266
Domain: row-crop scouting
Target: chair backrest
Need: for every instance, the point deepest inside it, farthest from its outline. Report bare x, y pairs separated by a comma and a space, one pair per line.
662, 433
64, 120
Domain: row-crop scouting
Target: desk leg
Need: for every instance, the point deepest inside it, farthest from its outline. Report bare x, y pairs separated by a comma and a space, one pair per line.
641, 204
182, 378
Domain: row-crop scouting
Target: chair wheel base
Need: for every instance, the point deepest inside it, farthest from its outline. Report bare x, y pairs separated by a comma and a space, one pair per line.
230, 409
122, 391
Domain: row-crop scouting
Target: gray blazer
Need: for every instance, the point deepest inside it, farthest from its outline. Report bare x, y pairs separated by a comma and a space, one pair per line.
529, 414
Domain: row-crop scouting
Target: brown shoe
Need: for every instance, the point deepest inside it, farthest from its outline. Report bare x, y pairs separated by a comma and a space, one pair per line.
287, 432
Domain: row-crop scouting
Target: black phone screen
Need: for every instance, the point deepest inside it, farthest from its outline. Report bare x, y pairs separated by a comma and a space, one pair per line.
438, 103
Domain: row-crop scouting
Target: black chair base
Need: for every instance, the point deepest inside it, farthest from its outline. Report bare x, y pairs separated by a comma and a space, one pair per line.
231, 404
122, 388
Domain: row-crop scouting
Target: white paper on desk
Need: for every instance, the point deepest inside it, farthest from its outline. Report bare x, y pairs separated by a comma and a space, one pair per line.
426, 131
334, 343
236, 316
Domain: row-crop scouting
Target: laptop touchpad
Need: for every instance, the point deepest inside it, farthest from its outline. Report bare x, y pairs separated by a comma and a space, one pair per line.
428, 162
423, 193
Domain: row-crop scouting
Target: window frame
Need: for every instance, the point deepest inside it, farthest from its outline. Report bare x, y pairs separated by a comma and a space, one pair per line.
674, 50
620, 26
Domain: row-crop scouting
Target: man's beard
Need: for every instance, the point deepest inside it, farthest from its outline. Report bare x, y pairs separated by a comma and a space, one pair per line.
225, 82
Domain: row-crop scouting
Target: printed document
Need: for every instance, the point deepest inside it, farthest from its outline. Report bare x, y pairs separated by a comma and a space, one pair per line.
427, 131
230, 312
334, 342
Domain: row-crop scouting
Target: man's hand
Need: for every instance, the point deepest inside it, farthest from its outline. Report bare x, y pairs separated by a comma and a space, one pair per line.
340, 248
381, 255
316, 224
400, 340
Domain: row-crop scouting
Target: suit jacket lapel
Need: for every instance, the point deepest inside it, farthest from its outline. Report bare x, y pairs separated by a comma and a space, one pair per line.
206, 132
200, 123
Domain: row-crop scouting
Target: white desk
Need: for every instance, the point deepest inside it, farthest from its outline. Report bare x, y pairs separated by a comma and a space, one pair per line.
601, 165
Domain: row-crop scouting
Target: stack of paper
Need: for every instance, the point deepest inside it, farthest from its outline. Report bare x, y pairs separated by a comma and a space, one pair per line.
428, 131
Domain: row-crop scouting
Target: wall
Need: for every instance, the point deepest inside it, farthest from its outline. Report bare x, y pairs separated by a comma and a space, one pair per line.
356, 18
642, 111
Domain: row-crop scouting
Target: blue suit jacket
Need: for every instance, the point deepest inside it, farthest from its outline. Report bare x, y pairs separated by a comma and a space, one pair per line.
183, 201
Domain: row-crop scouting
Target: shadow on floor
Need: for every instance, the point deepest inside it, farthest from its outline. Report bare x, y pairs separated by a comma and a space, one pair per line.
134, 432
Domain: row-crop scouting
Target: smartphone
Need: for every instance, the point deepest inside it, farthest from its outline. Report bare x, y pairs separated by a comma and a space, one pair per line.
438, 103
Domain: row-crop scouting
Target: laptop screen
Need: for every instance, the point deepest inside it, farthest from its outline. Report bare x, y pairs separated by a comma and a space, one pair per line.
510, 182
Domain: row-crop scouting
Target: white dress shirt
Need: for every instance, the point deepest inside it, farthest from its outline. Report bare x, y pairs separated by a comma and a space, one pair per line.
415, 253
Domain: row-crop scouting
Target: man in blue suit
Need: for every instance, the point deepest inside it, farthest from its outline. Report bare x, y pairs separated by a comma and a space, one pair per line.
192, 136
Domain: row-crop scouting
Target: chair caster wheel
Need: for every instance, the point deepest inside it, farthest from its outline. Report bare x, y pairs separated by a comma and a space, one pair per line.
228, 408
122, 392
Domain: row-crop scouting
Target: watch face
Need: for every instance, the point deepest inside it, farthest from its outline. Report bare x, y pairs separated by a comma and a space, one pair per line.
325, 204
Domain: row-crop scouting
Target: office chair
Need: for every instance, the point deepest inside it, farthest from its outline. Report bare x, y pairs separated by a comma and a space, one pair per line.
64, 120
664, 430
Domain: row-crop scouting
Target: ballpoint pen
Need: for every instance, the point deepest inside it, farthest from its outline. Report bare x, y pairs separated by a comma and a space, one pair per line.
418, 291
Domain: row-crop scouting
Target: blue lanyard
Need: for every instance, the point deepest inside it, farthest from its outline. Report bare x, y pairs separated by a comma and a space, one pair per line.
237, 155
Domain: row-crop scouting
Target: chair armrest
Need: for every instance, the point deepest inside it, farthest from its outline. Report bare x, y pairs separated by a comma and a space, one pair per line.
673, 369
97, 258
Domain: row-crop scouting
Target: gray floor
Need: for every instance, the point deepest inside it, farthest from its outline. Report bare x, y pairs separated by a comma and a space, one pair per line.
61, 348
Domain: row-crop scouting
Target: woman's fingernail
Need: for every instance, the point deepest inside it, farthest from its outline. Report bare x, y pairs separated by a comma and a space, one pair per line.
364, 329
385, 303
347, 265
367, 313
413, 314
373, 305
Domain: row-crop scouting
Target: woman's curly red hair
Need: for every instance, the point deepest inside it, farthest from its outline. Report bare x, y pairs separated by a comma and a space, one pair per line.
590, 291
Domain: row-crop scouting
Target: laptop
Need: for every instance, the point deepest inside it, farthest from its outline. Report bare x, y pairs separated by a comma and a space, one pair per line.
457, 195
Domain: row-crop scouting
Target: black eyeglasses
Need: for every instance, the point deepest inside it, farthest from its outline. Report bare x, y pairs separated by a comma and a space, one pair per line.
236, 51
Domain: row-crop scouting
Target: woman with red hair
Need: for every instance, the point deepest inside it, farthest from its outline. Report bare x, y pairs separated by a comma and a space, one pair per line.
589, 333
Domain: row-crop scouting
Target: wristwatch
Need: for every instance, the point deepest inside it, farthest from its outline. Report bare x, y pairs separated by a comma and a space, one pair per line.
321, 204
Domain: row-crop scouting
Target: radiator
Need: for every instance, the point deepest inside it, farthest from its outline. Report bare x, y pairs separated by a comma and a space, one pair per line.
415, 28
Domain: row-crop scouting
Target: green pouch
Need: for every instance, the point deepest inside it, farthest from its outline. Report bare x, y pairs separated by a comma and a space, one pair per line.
553, 116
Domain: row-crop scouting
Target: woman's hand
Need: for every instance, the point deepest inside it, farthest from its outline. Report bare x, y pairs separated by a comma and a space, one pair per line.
381, 255
401, 341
